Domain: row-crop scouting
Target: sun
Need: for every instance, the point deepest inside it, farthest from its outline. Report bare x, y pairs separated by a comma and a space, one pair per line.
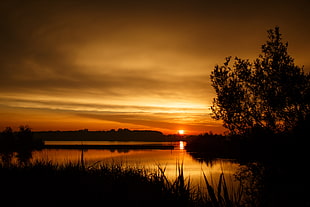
181, 131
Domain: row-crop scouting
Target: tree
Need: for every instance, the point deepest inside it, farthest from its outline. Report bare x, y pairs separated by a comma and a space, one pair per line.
272, 93
7, 137
6, 146
25, 136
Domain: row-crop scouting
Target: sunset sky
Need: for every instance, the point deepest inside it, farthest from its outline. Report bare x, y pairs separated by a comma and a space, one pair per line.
101, 65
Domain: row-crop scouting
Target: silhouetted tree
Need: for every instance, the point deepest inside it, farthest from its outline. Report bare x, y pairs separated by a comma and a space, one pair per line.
272, 93
25, 143
6, 145
7, 137
25, 136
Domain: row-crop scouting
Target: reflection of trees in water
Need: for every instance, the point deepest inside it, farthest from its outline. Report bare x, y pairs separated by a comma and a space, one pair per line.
119, 150
251, 182
251, 188
17, 145
201, 158
209, 160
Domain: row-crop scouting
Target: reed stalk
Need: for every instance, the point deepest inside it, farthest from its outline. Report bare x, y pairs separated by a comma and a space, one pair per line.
119, 179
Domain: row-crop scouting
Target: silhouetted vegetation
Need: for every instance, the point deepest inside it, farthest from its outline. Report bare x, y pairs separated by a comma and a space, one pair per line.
22, 139
18, 144
271, 93
111, 135
210, 146
265, 105
114, 184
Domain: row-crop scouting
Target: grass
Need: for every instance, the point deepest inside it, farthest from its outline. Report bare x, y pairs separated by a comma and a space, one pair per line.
103, 184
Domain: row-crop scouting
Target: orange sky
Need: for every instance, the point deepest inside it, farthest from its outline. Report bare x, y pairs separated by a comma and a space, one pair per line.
69, 65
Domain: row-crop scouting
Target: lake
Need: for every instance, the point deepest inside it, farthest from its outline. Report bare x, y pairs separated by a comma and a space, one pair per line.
165, 158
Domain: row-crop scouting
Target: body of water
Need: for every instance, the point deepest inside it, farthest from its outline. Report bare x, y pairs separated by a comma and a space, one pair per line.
168, 159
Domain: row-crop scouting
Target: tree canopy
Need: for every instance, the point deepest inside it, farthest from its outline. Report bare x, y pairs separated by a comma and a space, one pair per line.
270, 93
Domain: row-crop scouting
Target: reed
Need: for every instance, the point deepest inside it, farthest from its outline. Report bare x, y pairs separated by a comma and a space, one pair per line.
116, 182
220, 196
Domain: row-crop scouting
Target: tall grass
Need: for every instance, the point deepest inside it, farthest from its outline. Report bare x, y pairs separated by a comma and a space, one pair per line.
115, 182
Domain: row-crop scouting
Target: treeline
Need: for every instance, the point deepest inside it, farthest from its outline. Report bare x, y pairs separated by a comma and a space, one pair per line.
257, 144
23, 138
111, 135
213, 145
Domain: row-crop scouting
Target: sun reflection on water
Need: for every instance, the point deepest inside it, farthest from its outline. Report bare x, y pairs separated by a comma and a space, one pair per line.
181, 145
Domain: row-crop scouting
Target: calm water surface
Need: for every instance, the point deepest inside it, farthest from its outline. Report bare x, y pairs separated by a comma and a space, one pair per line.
150, 159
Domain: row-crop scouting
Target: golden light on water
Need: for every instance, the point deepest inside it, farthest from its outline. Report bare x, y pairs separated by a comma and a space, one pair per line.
181, 145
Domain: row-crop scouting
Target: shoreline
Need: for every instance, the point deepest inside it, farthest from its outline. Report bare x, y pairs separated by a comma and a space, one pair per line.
107, 147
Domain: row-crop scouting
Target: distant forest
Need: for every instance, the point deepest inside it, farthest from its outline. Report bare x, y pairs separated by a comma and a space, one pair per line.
111, 135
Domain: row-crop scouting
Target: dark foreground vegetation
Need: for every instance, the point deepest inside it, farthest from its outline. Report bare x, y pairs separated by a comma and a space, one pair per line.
22, 139
114, 184
283, 159
265, 105
110, 135
46, 184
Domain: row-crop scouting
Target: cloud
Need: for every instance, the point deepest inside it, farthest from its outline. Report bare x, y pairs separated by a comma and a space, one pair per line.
133, 56
164, 119
52, 52
88, 106
150, 121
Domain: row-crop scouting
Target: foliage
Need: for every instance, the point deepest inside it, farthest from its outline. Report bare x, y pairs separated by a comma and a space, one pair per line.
74, 184
272, 93
24, 135
15, 140
18, 145
221, 198
7, 137
251, 183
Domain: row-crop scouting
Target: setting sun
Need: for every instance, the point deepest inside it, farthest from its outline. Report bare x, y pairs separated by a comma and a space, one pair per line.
181, 131
127, 66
